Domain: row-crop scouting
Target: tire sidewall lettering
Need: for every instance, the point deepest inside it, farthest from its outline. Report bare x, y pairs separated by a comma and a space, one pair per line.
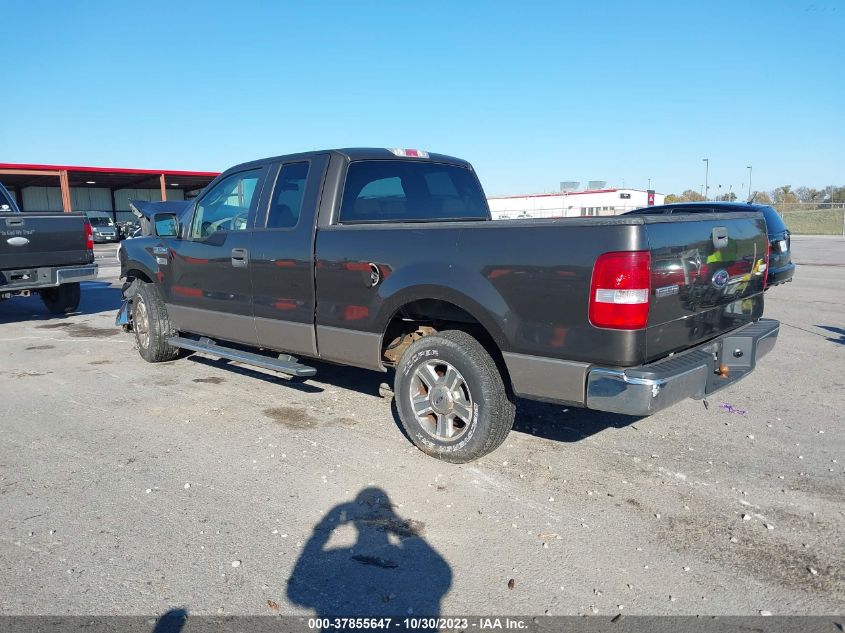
410, 365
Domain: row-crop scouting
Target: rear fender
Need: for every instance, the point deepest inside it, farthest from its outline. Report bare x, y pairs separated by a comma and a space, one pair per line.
471, 293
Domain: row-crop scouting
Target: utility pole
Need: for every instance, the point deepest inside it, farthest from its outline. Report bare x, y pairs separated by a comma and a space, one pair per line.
749, 181
706, 178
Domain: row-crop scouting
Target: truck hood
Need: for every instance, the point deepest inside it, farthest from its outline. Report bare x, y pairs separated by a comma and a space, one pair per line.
146, 209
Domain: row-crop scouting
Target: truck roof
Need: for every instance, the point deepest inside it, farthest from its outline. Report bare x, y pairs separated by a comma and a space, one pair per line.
352, 154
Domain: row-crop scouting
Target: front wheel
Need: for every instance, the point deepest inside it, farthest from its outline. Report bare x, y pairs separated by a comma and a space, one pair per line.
151, 325
63, 299
451, 398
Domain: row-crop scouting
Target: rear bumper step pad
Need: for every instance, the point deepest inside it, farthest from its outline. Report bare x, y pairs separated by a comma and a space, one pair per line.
649, 388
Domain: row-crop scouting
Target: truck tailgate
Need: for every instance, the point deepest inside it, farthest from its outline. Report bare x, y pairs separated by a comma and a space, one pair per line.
707, 277
31, 240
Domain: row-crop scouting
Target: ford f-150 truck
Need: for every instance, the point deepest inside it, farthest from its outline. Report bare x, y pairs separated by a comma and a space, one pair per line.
388, 259
45, 253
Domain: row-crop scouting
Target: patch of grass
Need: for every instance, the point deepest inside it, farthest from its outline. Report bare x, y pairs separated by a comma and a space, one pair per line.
815, 221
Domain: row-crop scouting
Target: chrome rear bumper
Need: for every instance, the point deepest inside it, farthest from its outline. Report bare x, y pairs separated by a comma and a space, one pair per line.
649, 388
47, 277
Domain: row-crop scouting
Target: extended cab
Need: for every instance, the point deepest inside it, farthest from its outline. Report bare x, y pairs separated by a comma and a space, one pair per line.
389, 259
45, 253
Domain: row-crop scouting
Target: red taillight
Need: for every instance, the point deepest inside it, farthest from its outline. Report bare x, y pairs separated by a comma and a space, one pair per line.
620, 290
89, 236
409, 153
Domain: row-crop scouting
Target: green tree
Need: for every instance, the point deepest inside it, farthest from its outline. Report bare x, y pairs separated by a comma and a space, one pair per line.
784, 194
692, 196
761, 197
808, 194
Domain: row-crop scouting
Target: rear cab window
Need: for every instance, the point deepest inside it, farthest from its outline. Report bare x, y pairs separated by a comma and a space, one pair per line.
411, 191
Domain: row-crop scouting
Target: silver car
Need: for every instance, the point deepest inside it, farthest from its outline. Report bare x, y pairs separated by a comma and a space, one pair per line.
104, 229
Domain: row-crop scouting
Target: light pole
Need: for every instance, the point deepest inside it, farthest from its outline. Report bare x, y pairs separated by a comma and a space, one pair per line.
749, 181
706, 178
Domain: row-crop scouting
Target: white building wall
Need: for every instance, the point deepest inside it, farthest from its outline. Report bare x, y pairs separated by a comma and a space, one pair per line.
573, 204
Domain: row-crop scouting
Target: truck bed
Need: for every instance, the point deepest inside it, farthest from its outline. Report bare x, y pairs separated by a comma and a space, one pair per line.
528, 281
35, 240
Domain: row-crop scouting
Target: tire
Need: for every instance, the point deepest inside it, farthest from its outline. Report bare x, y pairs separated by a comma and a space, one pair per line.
62, 300
463, 409
151, 325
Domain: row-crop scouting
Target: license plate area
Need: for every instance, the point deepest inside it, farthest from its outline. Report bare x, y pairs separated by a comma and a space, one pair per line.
18, 276
734, 353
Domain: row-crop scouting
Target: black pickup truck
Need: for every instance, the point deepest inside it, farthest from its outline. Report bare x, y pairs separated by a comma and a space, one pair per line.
385, 259
45, 253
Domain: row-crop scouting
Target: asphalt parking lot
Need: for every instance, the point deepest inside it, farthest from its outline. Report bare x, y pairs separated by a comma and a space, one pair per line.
133, 488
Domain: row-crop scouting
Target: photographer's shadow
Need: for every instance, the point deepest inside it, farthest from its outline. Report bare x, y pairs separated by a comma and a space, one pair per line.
389, 569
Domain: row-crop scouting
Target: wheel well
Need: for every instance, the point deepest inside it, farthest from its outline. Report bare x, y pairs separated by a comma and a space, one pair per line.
134, 273
422, 317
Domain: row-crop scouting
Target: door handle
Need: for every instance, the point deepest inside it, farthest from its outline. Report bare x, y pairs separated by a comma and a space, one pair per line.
240, 257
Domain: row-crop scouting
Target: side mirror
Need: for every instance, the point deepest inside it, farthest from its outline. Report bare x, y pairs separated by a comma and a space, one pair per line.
166, 225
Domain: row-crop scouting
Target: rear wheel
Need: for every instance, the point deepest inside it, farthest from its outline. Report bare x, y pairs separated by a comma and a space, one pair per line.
63, 299
451, 398
151, 325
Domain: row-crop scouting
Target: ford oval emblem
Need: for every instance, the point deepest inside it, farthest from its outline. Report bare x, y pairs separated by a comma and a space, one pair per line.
720, 279
17, 241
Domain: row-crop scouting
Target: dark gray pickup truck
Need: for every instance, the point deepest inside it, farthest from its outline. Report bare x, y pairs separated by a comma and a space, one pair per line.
45, 253
389, 259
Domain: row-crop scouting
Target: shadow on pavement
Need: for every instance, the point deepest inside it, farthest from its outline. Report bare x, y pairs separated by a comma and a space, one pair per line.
549, 421
564, 423
835, 330
363, 559
97, 297
171, 622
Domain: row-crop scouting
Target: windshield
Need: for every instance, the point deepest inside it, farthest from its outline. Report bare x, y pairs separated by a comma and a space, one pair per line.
100, 221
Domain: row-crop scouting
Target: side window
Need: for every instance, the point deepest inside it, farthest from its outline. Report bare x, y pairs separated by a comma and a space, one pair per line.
226, 206
287, 196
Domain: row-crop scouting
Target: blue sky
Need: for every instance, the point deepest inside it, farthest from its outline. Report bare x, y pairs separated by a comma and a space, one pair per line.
532, 93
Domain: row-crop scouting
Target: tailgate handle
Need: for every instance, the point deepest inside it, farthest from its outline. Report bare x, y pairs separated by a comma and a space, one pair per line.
14, 222
720, 237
